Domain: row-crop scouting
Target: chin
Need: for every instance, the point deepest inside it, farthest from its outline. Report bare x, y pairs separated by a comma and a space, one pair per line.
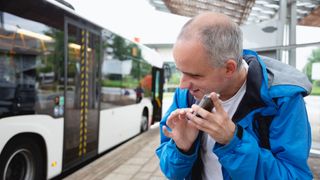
197, 94
198, 97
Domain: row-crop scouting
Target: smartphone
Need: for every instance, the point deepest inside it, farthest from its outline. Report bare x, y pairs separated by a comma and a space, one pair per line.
206, 103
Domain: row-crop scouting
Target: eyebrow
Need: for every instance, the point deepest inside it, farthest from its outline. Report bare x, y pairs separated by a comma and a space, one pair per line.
187, 73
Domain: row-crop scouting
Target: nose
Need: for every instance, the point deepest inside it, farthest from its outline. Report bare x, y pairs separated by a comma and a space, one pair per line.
185, 82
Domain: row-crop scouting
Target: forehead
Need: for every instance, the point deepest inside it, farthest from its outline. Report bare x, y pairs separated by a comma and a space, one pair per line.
190, 55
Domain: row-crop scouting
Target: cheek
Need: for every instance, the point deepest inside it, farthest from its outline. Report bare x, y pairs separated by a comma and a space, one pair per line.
214, 83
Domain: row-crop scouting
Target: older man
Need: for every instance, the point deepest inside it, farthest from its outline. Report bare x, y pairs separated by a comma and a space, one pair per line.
258, 128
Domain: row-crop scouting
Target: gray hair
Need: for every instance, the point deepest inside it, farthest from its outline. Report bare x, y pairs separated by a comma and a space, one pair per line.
222, 42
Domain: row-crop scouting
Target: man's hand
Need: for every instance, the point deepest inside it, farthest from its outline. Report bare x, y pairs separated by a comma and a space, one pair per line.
217, 124
182, 131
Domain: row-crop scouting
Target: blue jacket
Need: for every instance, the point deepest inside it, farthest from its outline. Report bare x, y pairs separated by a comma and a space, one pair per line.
273, 89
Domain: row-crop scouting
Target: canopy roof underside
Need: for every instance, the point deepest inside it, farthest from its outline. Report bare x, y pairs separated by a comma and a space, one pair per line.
242, 11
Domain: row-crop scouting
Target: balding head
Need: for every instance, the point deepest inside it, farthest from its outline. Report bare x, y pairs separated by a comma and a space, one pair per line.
220, 36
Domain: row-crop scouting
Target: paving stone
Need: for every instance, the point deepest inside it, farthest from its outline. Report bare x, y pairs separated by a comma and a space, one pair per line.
142, 176
127, 169
137, 161
115, 176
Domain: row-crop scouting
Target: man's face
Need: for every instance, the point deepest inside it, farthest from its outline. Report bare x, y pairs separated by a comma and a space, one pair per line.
197, 74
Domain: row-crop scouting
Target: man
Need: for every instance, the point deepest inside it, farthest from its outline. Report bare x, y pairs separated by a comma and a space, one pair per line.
139, 93
244, 88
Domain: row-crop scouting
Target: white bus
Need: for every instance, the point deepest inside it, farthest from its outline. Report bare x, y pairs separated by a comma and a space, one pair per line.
69, 89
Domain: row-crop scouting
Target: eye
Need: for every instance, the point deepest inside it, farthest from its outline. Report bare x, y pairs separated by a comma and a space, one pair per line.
190, 75
193, 76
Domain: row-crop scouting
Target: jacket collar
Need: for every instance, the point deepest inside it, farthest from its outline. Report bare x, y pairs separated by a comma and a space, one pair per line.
252, 97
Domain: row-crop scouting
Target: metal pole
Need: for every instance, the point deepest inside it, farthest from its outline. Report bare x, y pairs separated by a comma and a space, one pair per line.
1, 20
283, 21
292, 32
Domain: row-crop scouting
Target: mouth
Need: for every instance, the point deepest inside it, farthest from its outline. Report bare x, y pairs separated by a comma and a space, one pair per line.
195, 93
198, 93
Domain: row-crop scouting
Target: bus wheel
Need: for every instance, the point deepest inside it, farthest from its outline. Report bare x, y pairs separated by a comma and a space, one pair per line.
144, 121
22, 159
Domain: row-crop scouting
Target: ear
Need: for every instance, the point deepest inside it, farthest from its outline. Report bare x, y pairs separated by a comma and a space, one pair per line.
231, 67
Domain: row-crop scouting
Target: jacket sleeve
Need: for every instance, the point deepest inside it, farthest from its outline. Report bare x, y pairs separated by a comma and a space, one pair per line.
173, 163
290, 140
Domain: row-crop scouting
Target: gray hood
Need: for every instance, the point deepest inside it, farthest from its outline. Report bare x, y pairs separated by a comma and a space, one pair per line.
283, 74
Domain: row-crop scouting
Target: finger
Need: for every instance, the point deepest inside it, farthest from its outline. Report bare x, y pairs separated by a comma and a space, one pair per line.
198, 111
199, 122
204, 128
166, 132
170, 120
172, 114
216, 101
182, 113
177, 112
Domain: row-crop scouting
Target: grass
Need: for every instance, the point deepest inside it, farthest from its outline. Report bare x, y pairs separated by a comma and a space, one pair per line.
315, 90
168, 95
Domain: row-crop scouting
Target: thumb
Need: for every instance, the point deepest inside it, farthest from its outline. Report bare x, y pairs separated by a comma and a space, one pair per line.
216, 101
166, 132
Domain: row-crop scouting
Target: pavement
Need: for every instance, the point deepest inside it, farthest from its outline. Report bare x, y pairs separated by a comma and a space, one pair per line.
136, 159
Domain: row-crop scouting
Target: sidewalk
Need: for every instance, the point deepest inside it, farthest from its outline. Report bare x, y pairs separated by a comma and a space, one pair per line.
134, 160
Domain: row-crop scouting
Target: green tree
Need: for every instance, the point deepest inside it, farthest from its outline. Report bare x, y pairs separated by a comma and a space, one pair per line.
175, 79
120, 48
55, 60
315, 57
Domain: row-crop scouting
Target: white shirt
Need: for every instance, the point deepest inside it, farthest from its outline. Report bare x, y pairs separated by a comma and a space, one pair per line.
211, 165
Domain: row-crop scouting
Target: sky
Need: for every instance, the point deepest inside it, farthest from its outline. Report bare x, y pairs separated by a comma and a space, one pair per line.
132, 18
138, 18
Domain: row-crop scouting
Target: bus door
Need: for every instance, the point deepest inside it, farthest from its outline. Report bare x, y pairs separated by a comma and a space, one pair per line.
157, 92
81, 121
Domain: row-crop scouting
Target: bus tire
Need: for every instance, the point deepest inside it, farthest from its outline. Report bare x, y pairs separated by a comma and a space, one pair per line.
144, 121
22, 158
